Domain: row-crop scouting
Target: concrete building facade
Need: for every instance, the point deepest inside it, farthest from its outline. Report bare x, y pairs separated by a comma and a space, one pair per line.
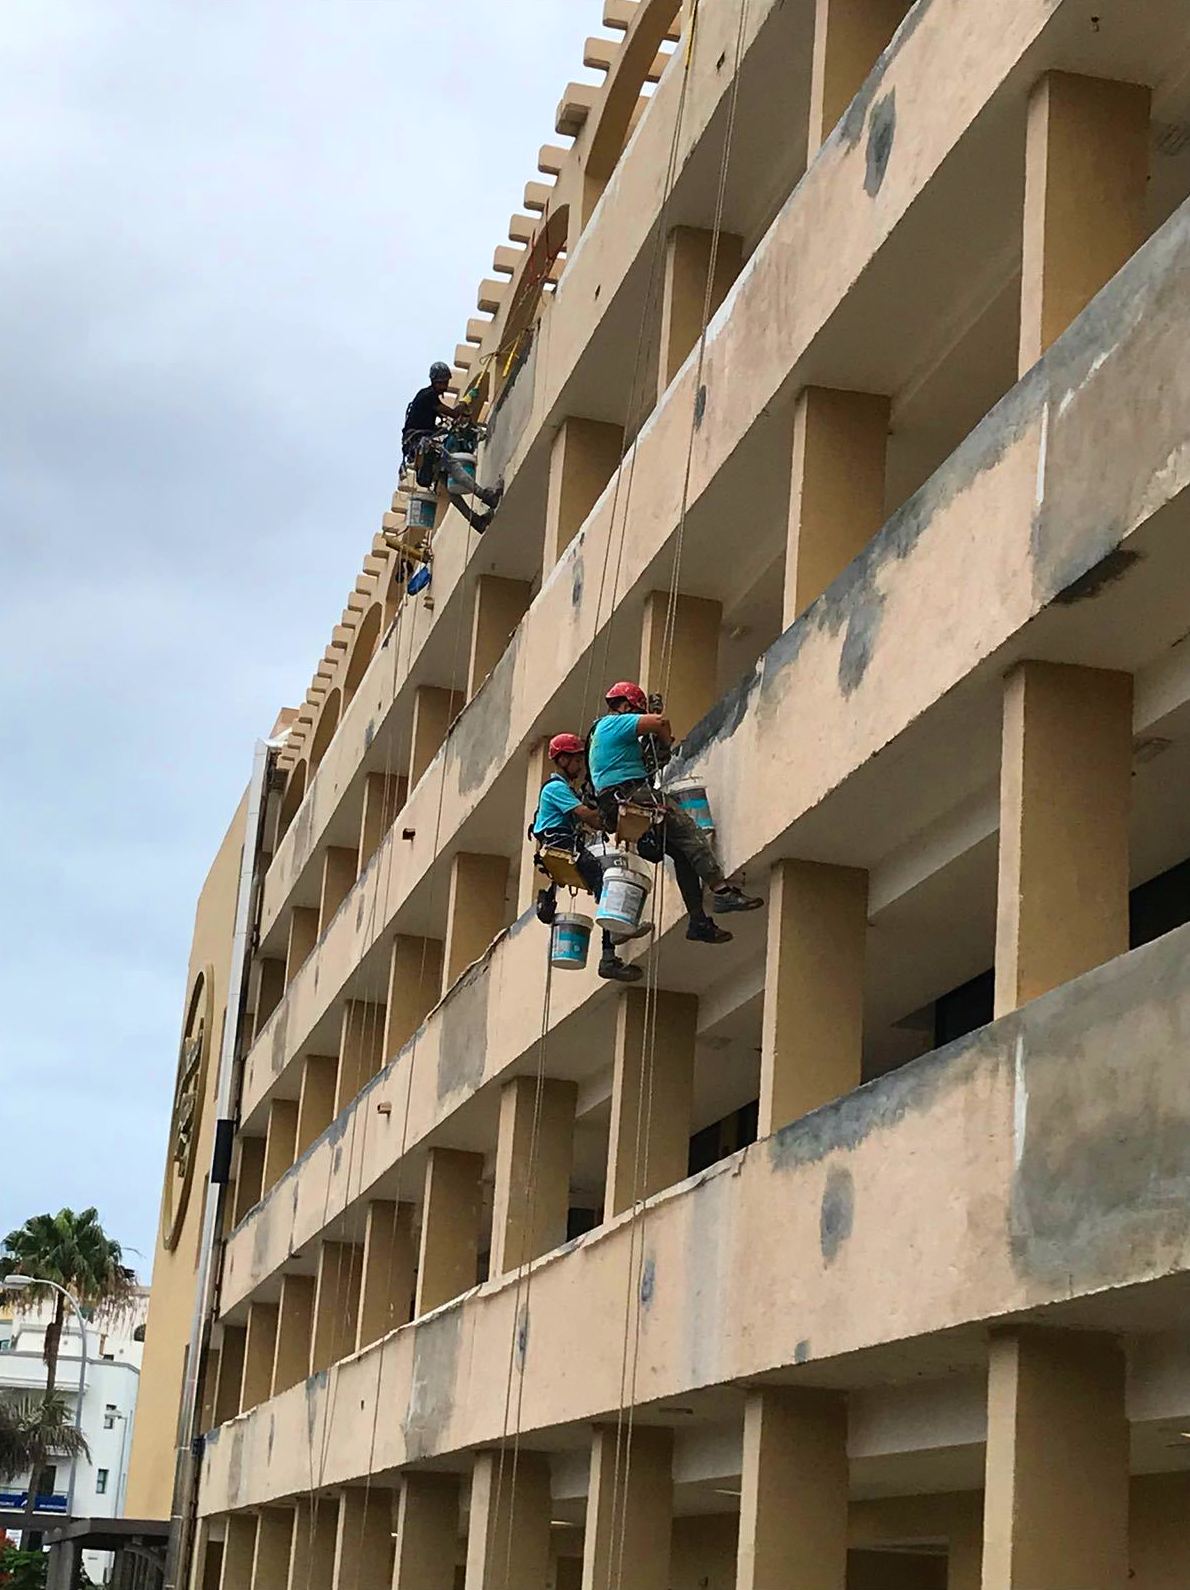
837, 373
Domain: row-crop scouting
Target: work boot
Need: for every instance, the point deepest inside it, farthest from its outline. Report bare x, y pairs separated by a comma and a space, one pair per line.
618, 971
703, 931
478, 521
732, 899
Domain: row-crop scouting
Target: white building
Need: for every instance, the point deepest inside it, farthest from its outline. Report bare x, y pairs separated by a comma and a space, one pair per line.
113, 1359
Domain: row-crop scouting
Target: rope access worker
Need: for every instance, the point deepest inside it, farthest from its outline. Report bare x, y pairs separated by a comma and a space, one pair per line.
424, 452
618, 774
559, 814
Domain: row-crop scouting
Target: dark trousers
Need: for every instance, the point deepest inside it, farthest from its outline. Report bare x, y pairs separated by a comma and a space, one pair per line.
591, 872
683, 841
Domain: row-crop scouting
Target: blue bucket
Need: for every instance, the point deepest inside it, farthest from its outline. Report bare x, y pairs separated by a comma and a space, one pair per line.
570, 939
421, 510
689, 796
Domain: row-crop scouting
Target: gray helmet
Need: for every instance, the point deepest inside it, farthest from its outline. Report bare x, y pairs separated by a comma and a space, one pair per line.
439, 371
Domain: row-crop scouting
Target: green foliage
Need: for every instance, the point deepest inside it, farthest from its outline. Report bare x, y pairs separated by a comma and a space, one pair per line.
33, 1429
22, 1570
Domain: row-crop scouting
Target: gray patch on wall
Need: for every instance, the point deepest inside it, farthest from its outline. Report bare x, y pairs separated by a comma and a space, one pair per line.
436, 1344
479, 739
852, 122
463, 1021
836, 1217
576, 581
882, 131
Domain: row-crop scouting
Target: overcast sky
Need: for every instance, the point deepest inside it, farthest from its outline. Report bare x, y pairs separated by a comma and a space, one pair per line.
233, 235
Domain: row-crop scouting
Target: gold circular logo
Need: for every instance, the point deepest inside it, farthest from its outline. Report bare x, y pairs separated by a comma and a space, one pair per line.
194, 1054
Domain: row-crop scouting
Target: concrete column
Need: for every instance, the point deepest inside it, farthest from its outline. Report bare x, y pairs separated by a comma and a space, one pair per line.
231, 1373
383, 798
280, 1144
1086, 174
361, 1049
475, 912
530, 880
274, 1547
316, 1103
692, 687
531, 1196
434, 710
449, 1252
849, 37
427, 1532
364, 1543
303, 936
500, 604
793, 1502
508, 1533
315, 1531
629, 1514
813, 1024
336, 1304
269, 988
260, 1345
386, 1291
339, 865
414, 987
239, 1548
295, 1330
649, 1138
249, 1176
584, 456
1065, 799
687, 262
1056, 1486
836, 494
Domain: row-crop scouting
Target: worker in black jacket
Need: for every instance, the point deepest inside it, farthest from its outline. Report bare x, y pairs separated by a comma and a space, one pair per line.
423, 451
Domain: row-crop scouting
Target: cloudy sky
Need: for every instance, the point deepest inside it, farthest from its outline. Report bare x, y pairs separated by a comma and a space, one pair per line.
234, 234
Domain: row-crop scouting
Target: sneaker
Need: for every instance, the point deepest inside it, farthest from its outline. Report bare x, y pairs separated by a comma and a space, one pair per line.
703, 931
480, 522
616, 970
733, 899
493, 495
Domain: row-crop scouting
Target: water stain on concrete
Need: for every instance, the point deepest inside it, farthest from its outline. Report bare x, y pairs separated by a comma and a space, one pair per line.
882, 132
836, 1217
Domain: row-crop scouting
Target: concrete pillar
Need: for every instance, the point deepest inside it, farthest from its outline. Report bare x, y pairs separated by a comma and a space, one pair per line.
386, 1291
849, 37
1056, 1485
361, 1048
813, 1023
336, 1304
280, 1144
475, 911
687, 262
384, 795
1065, 798
500, 604
1086, 174
316, 1103
249, 1176
295, 1330
239, 1548
508, 1532
364, 1543
427, 1532
649, 1137
836, 494
303, 936
584, 456
794, 1485
434, 710
339, 865
530, 880
449, 1251
692, 686
260, 1345
269, 988
315, 1531
629, 1510
414, 987
231, 1373
531, 1196
274, 1547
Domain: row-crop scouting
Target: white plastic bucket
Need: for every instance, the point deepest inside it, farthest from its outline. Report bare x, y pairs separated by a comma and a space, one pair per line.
570, 939
627, 883
689, 796
461, 464
422, 510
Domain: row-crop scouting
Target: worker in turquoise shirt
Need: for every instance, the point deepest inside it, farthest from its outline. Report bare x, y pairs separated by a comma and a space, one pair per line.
560, 820
616, 760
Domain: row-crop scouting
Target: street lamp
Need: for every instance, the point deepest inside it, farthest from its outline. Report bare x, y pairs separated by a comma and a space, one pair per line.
22, 1283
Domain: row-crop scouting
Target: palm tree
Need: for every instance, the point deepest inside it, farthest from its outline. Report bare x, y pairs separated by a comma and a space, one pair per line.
32, 1429
75, 1251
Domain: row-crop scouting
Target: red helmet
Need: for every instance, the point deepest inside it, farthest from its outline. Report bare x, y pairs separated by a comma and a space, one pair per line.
565, 745
625, 690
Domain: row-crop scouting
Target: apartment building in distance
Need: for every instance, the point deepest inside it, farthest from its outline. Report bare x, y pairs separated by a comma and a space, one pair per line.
837, 370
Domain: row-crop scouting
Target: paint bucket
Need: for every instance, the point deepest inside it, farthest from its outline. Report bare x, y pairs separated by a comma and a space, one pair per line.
421, 511
461, 477
570, 939
689, 796
627, 883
